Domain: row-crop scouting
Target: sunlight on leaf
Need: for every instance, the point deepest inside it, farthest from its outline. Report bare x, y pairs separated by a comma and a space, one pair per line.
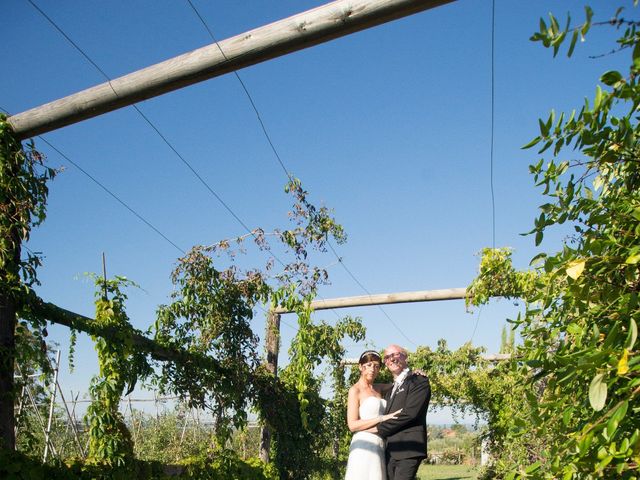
597, 182
633, 259
575, 268
623, 363
597, 392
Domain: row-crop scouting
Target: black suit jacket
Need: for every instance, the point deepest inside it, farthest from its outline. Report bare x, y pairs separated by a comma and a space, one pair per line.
407, 435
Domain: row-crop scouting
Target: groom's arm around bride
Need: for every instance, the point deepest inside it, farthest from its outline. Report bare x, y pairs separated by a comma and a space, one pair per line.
406, 435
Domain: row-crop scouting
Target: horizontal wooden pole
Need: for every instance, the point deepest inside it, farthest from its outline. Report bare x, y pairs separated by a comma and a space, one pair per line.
321, 24
54, 314
386, 298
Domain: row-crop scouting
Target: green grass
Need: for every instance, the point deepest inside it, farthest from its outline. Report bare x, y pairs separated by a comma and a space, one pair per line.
447, 472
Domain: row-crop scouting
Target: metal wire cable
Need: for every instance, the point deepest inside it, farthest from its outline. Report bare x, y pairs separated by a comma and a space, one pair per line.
166, 141
193, 170
475, 328
493, 95
198, 176
101, 185
493, 199
369, 293
246, 91
275, 151
50, 20
253, 105
154, 127
118, 199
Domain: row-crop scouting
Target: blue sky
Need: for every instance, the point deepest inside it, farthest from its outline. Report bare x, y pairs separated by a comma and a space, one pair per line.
390, 127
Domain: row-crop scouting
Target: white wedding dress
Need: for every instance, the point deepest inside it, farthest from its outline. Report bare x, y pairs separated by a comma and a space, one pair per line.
366, 453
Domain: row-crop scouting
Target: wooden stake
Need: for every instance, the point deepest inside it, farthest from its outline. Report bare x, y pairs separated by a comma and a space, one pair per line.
104, 277
71, 418
52, 403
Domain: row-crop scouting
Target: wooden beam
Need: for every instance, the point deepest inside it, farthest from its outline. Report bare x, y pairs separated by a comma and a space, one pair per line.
272, 346
59, 315
12, 231
386, 298
321, 24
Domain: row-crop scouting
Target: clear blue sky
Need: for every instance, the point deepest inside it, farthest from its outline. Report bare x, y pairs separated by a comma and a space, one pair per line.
390, 127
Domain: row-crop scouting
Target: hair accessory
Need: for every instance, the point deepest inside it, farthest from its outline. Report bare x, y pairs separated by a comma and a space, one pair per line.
369, 352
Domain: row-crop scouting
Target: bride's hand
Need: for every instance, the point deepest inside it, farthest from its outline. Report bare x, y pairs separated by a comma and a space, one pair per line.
391, 416
419, 372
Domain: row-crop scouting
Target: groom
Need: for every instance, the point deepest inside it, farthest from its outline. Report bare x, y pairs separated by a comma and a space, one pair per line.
406, 435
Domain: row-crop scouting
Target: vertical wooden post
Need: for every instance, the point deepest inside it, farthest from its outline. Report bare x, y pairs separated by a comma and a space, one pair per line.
273, 348
7, 358
9, 276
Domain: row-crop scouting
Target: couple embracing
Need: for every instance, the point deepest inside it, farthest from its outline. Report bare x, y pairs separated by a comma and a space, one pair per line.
389, 420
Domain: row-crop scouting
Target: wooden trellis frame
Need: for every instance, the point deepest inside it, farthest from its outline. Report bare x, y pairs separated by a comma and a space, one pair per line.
313, 27
273, 325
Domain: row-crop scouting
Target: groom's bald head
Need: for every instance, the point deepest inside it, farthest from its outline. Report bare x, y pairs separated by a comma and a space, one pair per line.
395, 358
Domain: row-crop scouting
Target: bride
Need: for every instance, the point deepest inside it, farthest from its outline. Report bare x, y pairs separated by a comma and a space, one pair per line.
365, 409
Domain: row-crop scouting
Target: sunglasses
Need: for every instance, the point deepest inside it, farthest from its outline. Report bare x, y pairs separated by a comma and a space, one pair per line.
393, 355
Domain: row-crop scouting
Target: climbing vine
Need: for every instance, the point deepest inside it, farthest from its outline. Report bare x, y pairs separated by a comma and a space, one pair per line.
109, 439
315, 442
209, 318
579, 353
210, 315
23, 183
470, 385
213, 304
498, 278
23, 195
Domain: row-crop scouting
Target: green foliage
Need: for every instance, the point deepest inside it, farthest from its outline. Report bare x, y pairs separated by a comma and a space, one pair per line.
457, 377
210, 315
311, 345
23, 197
455, 445
468, 384
19, 466
316, 223
507, 340
209, 318
23, 206
109, 439
224, 465
497, 277
166, 439
310, 437
580, 352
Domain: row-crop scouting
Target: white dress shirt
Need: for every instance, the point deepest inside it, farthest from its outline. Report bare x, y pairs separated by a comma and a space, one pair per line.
399, 381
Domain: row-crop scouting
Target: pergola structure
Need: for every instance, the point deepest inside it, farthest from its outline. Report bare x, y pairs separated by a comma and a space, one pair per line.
313, 27
272, 343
